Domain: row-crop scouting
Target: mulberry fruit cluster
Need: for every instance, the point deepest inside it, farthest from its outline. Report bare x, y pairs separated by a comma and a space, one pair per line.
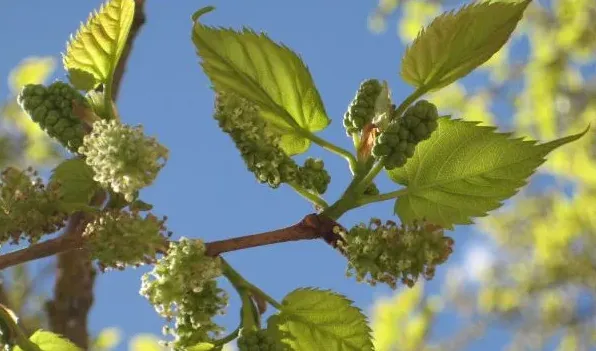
28, 208
313, 176
52, 109
396, 143
362, 108
258, 144
122, 157
389, 253
120, 238
259, 340
183, 288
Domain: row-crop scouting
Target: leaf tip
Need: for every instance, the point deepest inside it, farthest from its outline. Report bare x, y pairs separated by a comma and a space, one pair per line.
200, 12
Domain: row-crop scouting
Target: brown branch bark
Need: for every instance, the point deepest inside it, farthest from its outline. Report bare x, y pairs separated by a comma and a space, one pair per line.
312, 226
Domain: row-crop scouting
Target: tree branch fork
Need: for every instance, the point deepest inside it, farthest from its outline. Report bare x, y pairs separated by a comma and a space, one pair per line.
312, 226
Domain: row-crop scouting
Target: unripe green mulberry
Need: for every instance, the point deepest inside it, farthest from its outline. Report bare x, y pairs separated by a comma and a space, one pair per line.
122, 157
120, 238
28, 207
183, 288
313, 176
387, 253
397, 142
259, 340
257, 142
52, 109
362, 109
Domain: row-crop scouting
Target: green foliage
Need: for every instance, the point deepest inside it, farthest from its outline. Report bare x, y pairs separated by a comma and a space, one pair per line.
52, 109
48, 341
267, 102
472, 169
312, 319
119, 238
397, 142
182, 287
93, 53
454, 44
269, 75
122, 157
388, 254
74, 182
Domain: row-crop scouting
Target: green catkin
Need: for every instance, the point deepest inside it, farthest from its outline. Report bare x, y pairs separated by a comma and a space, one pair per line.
362, 108
313, 176
28, 208
183, 289
259, 340
388, 253
52, 109
397, 142
257, 142
120, 238
122, 157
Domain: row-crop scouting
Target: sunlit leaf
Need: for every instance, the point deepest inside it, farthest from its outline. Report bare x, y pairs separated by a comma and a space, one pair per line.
457, 42
465, 170
93, 53
266, 73
31, 70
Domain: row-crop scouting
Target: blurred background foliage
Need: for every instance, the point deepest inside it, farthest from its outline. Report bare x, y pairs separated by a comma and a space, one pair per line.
541, 284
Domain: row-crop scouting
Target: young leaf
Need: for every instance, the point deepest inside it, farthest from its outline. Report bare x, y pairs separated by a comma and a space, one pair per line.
465, 170
454, 44
266, 73
48, 341
312, 319
75, 179
93, 53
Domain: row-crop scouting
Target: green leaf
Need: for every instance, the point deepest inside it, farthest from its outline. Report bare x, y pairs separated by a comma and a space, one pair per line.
48, 341
266, 73
31, 70
203, 346
312, 319
455, 43
107, 339
93, 53
465, 170
75, 179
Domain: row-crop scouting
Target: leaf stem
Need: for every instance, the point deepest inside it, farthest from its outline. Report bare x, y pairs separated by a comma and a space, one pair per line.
370, 176
409, 100
333, 148
239, 282
382, 197
107, 98
314, 198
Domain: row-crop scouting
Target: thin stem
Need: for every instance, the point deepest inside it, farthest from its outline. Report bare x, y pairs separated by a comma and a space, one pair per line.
226, 339
239, 282
409, 100
382, 197
107, 99
331, 147
370, 176
314, 198
15, 333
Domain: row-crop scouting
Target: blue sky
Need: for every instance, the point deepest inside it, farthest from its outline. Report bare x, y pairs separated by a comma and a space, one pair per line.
204, 189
